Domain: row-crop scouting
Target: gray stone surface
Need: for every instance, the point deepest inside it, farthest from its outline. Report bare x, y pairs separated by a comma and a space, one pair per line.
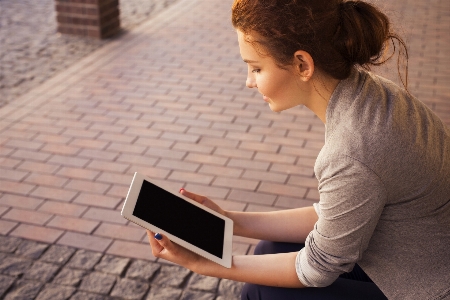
196, 295
31, 249
41, 271
203, 283
68, 276
24, 290
141, 269
57, 272
5, 283
164, 293
221, 297
58, 254
112, 265
55, 292
171, 276
9, 244
14, 266
87, 296
130, 289
36, 52
230, 288
84, 259
98, 283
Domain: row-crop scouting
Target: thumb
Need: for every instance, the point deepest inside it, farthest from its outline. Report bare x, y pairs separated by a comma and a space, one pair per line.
197, 198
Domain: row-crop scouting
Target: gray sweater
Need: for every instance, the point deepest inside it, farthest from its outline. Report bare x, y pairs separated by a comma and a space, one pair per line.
384, 183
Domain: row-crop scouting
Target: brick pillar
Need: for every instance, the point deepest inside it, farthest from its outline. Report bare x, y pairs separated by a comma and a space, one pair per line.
90, 18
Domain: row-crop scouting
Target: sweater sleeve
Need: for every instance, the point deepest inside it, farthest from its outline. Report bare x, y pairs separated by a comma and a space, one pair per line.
352, 198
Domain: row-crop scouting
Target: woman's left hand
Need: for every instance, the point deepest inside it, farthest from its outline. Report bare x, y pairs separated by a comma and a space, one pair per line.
168, 250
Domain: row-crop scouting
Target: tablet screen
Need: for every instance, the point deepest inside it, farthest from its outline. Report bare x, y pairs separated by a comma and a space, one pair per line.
180, 218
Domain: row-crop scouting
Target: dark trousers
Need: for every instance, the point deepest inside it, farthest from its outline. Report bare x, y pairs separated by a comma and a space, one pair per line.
353, 285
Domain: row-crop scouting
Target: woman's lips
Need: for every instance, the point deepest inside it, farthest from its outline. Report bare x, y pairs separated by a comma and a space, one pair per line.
266, 99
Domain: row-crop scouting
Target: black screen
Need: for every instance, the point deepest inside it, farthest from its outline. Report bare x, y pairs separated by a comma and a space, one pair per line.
180, 218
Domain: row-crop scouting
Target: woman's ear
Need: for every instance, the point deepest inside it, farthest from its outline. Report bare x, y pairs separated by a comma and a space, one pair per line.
304, 64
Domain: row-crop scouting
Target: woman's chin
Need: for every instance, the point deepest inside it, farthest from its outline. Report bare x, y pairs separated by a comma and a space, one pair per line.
274, 107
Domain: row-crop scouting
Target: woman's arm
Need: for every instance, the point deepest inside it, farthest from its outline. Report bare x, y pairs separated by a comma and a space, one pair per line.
292, 225
270, 269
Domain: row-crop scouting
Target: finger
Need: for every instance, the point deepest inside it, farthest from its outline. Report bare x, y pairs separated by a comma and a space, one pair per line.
156, 247
164, 242
195, 197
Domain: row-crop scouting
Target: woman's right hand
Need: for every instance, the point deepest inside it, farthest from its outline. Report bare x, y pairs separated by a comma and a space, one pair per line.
204, 201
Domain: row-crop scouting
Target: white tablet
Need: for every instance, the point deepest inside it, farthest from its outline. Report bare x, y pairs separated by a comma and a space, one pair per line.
181, 219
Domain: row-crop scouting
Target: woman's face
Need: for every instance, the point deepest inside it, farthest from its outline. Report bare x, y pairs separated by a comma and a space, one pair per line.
279, 87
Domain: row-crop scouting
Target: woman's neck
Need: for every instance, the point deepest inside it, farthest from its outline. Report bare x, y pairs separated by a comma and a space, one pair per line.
321, 91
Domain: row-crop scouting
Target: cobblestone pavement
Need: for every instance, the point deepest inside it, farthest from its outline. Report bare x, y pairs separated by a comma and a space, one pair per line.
34, 270
31, 50
167, 99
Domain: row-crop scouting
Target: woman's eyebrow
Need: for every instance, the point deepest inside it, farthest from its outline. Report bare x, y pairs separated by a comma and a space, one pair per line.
250, 61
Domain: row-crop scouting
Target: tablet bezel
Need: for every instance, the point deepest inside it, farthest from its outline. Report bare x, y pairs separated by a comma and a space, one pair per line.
130, 203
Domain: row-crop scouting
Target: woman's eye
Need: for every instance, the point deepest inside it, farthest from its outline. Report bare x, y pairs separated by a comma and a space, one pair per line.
256, 70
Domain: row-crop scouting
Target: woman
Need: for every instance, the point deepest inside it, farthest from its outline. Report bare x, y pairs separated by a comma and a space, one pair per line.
382, 225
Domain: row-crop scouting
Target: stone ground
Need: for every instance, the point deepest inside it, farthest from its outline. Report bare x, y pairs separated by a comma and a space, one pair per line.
36, 52
34, 270
166, 99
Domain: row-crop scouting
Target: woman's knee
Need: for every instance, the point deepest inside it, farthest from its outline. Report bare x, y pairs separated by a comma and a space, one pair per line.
268, 247
263, 247
251, 292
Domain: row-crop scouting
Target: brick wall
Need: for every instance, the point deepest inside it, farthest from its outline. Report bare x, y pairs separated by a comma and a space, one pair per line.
90, 18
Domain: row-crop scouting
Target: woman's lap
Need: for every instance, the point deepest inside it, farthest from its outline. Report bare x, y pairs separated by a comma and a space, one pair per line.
353, 285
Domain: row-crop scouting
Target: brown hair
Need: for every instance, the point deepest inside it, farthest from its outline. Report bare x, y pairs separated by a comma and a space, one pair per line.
338, 34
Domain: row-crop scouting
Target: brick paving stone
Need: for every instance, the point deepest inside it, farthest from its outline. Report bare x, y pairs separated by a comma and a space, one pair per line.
41, 271
85, 241
24, 290
37, 233
131, 249
130, 289
106, 215
5, 283
203, 283
6, 226
68, 276
112, 265
246, 196
143, 270
73, 224
97, 282
120, 232
20, 201
164, 293
84, 259
173, 276
55, 292
58, 194
27, 216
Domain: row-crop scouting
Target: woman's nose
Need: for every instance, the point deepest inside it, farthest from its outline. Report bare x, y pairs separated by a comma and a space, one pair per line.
250, 82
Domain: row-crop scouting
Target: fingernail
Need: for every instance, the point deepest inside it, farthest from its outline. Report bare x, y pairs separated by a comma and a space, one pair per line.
181, 190
158, 236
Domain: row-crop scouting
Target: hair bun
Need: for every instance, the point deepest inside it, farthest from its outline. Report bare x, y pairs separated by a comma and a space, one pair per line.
362, 32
